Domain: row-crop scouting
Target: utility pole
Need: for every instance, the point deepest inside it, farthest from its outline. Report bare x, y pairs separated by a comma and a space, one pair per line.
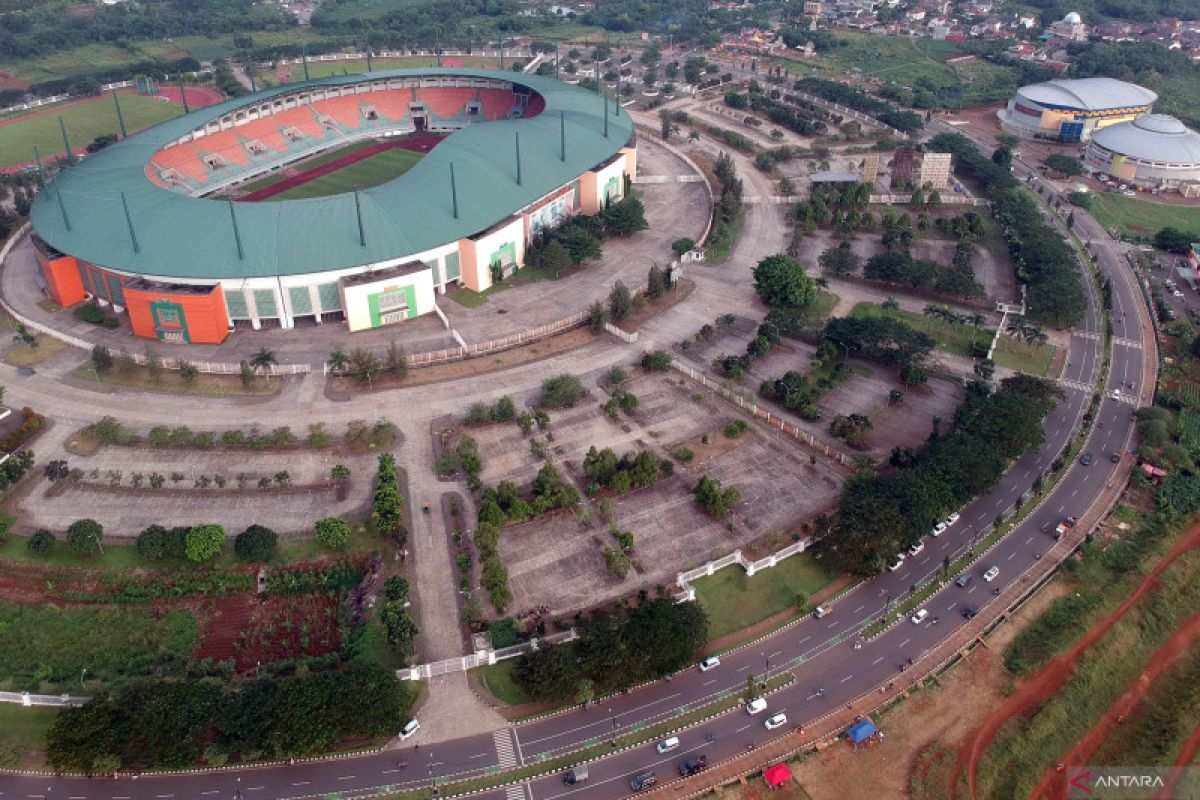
614, 727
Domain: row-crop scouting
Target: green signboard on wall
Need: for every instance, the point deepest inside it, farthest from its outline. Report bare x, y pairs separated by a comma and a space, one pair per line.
392, 305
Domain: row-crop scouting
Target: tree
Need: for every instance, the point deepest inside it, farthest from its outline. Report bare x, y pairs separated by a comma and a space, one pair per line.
1174, 240
246, 375
41, 543
668, 126
25, 336
332, 533
681, 246
1002, 157
561, 390
555, 257
365, 366
396, 361
547, 674
187, 370
840, 260
657, 361
781, 282
597, 317
263, 360
204, 542
1064, 165
620, 302
152, 543
102, 358
624, 217
256, 543
84, 537
56, 470
337, 361
656, 282
715, 501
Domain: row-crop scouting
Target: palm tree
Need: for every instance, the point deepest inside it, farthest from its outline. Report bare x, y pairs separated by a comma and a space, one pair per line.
263, 360
693, 136
337, 361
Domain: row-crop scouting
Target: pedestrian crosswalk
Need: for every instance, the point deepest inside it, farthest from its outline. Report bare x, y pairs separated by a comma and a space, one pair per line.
515, 792
505, 756
1127, 343
1076, 385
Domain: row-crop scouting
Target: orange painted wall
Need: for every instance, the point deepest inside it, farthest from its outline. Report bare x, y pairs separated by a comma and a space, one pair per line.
588, 204
472, 275
207, 321
62, 280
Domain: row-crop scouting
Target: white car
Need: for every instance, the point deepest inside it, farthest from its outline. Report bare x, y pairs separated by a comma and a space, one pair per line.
953, 518
1114, 394
709, 663
776, 721
938, 529
916, 548
991, 574
920, 616
895, 565
1177, 293
408, 730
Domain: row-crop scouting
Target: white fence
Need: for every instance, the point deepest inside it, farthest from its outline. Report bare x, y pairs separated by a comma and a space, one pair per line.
684, 579
480, 658
763, 414
27, 699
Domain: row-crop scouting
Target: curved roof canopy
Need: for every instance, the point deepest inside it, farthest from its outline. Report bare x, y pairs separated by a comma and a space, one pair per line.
179, 236
1089, 94
1154, 137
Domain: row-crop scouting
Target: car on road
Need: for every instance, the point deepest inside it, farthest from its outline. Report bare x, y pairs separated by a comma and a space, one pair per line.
938, 529
756, 705
920, 616
969, 613
962, 580
667, 745
643, 781
709, 663
991, 574
576, 775
408, 730
822, 611
1115, 458
1114, 394
953, 518
776, 721
916, 548
1086, 458
693, 765
899, 562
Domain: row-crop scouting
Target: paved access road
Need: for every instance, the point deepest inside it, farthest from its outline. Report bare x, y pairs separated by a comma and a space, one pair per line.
829, 671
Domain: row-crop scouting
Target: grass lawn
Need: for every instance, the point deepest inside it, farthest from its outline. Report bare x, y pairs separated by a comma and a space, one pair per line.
891, 58
371, 171
734, 601
84, 123
823, 305
951, 337
721, 239
170, 382
1024, 357
23, 732
469, 298
316, 161
55, 645
323, 69
498, 678
1132, 216
22, 355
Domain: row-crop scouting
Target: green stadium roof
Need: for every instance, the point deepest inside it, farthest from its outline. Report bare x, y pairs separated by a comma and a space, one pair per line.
189, 237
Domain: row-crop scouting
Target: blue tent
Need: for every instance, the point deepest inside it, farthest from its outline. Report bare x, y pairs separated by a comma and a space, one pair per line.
861, 731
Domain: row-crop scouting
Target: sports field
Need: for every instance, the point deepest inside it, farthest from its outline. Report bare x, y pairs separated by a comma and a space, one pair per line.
1134, 217
85, 121
323, 69
370, 171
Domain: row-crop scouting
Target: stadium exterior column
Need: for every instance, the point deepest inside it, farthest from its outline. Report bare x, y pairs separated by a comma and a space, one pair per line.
37, 156
304, 57
120, 116
62, 126
183, 95
286, 320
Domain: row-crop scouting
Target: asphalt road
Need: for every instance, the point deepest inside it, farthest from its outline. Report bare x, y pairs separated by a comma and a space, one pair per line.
829, 671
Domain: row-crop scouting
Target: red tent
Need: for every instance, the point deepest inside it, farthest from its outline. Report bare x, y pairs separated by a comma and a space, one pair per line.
777, 775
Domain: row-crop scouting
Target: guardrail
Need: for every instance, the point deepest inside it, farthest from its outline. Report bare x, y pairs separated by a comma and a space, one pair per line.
684, 579
480, 658
27, 699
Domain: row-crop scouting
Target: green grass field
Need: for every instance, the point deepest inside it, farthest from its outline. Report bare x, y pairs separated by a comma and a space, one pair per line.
55, 645
985, 82
1132, 216
316, 161
734, 601
84, 123
890, 58
498, 678
23, 733
1022, 356
371, 171
322, 69
952, 338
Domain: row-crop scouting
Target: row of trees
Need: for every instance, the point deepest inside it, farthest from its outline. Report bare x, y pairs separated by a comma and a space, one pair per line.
898, 266
881, 515
604, 468
904, 121
387, 504
616, 649
173, 724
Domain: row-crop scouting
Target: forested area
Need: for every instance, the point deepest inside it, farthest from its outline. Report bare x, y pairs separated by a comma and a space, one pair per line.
882, 515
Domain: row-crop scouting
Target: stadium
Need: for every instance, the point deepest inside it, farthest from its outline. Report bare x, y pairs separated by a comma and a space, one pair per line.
354, 199
1072, 110
1156, 151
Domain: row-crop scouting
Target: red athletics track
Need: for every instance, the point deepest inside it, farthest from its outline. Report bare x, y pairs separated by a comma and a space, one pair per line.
420, 144
197, 96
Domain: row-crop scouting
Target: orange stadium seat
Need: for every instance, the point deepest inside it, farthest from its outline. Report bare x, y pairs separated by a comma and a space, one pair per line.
497, 103
224, 144
345, 110
184, 159
266, 131
445, 103
391, 104
302, 119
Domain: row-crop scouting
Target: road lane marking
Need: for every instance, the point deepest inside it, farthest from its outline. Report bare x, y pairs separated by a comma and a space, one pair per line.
301, 783
906, 641
805, 639
860, 608
843, 680
876, 661
709, 683
776, 653
743, 669
952, 605
1011, 556
479, 755
347, 777
739, 730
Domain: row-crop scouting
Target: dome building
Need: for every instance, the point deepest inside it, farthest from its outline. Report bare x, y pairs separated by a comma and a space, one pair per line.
1156, 151
1072, 110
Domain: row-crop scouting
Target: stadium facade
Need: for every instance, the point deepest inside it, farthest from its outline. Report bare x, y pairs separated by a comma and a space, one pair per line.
1156, 151
136, 226
1072, 110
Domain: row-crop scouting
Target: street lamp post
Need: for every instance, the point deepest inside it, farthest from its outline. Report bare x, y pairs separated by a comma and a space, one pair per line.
237, 790
766, 670
613, 717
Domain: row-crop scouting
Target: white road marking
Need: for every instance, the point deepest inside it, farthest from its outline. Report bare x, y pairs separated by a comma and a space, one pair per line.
876, 661
300, 783
860, 608
1011, 556
739, 730
347, 777
952, 605
743, 669
906, 641
805, 639
709, 683
843, 680
479, 755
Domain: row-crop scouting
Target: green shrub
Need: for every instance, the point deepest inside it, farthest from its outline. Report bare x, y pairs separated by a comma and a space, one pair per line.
84, 536
152, 543
684, 454
41, 543
561, 390
735, 428
204, 542
256, 543
333, 533
503, 633
89, 312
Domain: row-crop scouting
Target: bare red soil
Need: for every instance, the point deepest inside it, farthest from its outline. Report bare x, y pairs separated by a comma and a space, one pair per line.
1051, 678
1053, 784
251, 630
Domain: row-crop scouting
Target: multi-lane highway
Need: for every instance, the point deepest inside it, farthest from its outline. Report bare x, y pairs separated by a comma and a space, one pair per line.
832, 666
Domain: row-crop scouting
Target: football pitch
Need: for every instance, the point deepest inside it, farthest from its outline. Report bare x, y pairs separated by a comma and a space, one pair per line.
371, 171
84, 122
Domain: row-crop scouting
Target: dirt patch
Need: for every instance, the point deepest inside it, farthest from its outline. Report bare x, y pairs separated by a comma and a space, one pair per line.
1053, 783
1051, 678
251, 630
714, 444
